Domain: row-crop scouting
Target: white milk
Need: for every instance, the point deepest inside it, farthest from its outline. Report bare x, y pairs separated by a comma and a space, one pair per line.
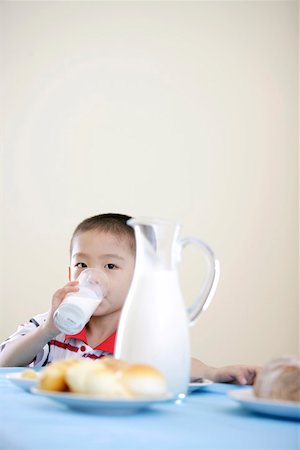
76, 310
154, 328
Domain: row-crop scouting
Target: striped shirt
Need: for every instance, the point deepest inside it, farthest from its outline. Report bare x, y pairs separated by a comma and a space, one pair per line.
63, 346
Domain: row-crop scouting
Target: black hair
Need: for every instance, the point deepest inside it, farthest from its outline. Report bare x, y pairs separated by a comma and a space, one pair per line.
109, 222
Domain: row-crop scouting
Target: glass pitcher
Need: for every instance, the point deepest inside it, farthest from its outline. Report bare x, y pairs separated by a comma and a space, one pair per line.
154, 323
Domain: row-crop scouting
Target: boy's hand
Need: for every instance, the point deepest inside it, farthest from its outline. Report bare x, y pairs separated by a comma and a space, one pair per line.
57, 299
235, 374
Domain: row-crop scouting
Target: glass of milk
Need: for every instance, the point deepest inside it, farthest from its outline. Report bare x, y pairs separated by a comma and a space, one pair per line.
77, 307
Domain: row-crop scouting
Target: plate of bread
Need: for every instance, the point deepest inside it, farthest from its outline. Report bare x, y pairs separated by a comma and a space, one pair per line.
276, 391
105, 385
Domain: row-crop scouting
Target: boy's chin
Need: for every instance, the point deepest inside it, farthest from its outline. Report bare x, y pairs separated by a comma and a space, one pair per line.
104, 310
98, 313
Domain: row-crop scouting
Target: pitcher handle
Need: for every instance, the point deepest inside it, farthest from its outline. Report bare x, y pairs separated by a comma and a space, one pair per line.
208, 290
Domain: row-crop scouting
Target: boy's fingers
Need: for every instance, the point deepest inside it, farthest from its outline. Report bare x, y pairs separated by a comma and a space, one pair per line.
247, 376
242, 379
61, 293
68, 289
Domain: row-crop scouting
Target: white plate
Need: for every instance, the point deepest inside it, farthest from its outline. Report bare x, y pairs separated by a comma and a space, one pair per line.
247, 399
196, 386
94, 404
23, 383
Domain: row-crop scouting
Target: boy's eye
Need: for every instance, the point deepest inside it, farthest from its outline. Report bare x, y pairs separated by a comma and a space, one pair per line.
81, 265
110, 266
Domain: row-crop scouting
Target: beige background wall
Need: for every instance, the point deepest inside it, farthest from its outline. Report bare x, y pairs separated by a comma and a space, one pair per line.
180, 110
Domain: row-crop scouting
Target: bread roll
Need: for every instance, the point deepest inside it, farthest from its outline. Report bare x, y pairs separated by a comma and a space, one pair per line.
143, 380
29, 374
77, 375
52, 378
106, 382
279, 380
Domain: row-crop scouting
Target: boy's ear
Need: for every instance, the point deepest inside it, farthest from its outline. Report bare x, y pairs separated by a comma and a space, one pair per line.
69, 273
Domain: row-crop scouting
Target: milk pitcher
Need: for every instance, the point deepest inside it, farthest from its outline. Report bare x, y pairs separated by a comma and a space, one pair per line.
154, 323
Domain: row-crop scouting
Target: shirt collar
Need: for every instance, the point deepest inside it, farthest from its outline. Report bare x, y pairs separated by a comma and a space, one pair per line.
108, 345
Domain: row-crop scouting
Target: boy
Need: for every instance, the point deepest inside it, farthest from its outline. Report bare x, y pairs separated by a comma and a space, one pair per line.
104, 241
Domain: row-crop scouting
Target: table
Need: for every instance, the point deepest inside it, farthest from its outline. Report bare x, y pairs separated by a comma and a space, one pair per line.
204, 420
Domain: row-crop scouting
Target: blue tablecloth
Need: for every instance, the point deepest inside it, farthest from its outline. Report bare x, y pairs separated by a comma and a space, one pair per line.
204, 420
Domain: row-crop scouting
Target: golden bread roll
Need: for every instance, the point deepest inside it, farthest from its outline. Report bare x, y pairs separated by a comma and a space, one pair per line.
143, 380
52, 378
279, 380
106, 382
77, 375
97, 378
29, 374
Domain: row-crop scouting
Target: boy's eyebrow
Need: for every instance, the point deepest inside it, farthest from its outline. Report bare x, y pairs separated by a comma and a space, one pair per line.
107, 255
80, 255
113, 255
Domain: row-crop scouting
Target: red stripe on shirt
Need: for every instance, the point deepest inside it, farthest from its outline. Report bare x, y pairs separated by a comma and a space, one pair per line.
64, 345
91, 356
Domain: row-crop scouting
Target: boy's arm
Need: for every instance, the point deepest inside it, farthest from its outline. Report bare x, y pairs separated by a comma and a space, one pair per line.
230, 374
23, 350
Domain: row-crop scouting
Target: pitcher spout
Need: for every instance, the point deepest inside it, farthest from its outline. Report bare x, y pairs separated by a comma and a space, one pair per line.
155, 241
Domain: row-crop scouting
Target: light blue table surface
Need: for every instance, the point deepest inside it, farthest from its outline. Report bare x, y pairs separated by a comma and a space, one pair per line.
207, 419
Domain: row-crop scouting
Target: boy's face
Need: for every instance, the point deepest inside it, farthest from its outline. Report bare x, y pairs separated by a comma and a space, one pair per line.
110, 253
